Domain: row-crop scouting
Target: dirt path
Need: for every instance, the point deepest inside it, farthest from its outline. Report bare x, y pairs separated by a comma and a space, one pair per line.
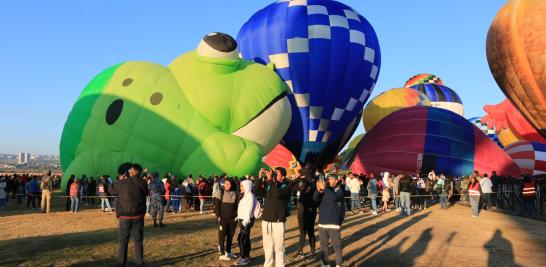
432, 237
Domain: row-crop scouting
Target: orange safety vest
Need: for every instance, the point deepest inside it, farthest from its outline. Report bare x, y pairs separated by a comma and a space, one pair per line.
529, 190
474, 190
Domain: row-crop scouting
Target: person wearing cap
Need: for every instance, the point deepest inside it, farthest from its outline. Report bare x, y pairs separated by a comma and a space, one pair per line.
131, 191
157, 190
331, 215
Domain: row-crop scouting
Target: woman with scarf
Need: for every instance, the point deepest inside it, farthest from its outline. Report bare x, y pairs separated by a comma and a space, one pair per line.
245, 219
225, 209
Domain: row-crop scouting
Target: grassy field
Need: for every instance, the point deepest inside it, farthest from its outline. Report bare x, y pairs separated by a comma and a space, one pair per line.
432, 237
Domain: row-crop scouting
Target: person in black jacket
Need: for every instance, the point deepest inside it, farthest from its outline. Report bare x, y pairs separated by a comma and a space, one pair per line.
307, 213
332, 212
131, 191
225, 209
404, 191
276, 209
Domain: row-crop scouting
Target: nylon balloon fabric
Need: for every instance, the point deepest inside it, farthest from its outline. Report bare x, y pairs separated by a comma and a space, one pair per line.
441, 96
329, 56
530, 156
421, 139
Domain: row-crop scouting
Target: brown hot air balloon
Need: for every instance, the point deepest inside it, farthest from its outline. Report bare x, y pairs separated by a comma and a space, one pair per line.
516, 52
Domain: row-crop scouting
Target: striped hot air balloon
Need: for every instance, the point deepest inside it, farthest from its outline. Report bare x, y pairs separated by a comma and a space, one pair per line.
423, 78
329, 56
441, 96
529, 156
282, 157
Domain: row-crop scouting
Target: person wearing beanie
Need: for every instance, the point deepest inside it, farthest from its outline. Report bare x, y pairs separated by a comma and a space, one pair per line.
329, 196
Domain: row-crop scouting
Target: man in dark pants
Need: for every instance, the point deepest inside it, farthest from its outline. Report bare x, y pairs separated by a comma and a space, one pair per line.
307, 214
131, 190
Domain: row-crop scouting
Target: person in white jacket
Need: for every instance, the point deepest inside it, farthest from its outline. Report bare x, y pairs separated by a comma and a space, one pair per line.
354, 188
245, 218
486, 185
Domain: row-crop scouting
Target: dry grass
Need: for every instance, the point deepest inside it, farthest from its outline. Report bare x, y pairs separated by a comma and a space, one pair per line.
428, 238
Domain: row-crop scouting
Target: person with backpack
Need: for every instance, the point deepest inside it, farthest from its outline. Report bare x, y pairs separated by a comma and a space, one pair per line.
373, 189
225, 210
440, 188
248, 210
276, 209
330, 196
102, 191
32, 192
307, 214
156, 189
203, 190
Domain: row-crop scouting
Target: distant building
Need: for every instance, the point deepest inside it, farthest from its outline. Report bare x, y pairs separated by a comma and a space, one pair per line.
23, 158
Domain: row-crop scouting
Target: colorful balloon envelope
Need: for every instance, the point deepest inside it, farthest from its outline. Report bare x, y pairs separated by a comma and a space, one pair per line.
282, 157
329, 56
391, 101
510, 125
441, 96
347, 154
516, 52
489, 131
421, 139
423, 78
529, 156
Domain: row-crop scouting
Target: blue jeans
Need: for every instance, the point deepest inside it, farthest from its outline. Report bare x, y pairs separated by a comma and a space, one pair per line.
397, 200
104, 201
405, 202
373, 199
355, 202
74, 203
443, 200
202, 205
475, 204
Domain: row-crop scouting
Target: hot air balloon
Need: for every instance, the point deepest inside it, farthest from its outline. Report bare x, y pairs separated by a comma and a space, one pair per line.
516, 52
423, 78
421, 139
441, 96
282, 157
391, 101
329, 56
529, 156
510, 125
347, 154
209, 112
489, 131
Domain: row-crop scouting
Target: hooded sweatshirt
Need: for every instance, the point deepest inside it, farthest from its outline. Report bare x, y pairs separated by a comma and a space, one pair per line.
225, 207
245, 210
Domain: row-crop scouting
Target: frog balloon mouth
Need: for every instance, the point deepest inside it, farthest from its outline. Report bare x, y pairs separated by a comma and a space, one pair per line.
278, 112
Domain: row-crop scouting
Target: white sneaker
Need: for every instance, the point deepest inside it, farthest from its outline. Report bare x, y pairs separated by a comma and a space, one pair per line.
231, 256
374, 213
224, 258
399, 209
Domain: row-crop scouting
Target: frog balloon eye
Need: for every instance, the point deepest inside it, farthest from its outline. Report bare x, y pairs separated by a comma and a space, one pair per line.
114, 111
156, 98
219, 45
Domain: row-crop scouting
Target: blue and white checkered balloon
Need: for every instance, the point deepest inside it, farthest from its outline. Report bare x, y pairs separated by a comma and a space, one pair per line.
329, 56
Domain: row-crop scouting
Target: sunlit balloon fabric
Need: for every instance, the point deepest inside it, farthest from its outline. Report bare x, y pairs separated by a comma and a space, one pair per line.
510, 125
423, 78
282, 157
516, 52
209, 112
530, 156
391, 101
441, 96
489, 131
421, 139
329, 56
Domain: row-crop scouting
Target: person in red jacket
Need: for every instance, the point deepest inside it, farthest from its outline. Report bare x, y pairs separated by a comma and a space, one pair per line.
528, 194
168, 188
203, 190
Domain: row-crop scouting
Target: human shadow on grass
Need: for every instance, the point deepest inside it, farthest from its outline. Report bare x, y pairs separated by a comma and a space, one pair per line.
18, 251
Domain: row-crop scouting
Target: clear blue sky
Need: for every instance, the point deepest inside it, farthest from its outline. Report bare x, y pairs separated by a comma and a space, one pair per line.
49, 50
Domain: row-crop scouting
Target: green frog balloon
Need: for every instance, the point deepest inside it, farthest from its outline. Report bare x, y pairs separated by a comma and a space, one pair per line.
209, 112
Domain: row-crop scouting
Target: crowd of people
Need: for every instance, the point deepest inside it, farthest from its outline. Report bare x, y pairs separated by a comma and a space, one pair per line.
237, 202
